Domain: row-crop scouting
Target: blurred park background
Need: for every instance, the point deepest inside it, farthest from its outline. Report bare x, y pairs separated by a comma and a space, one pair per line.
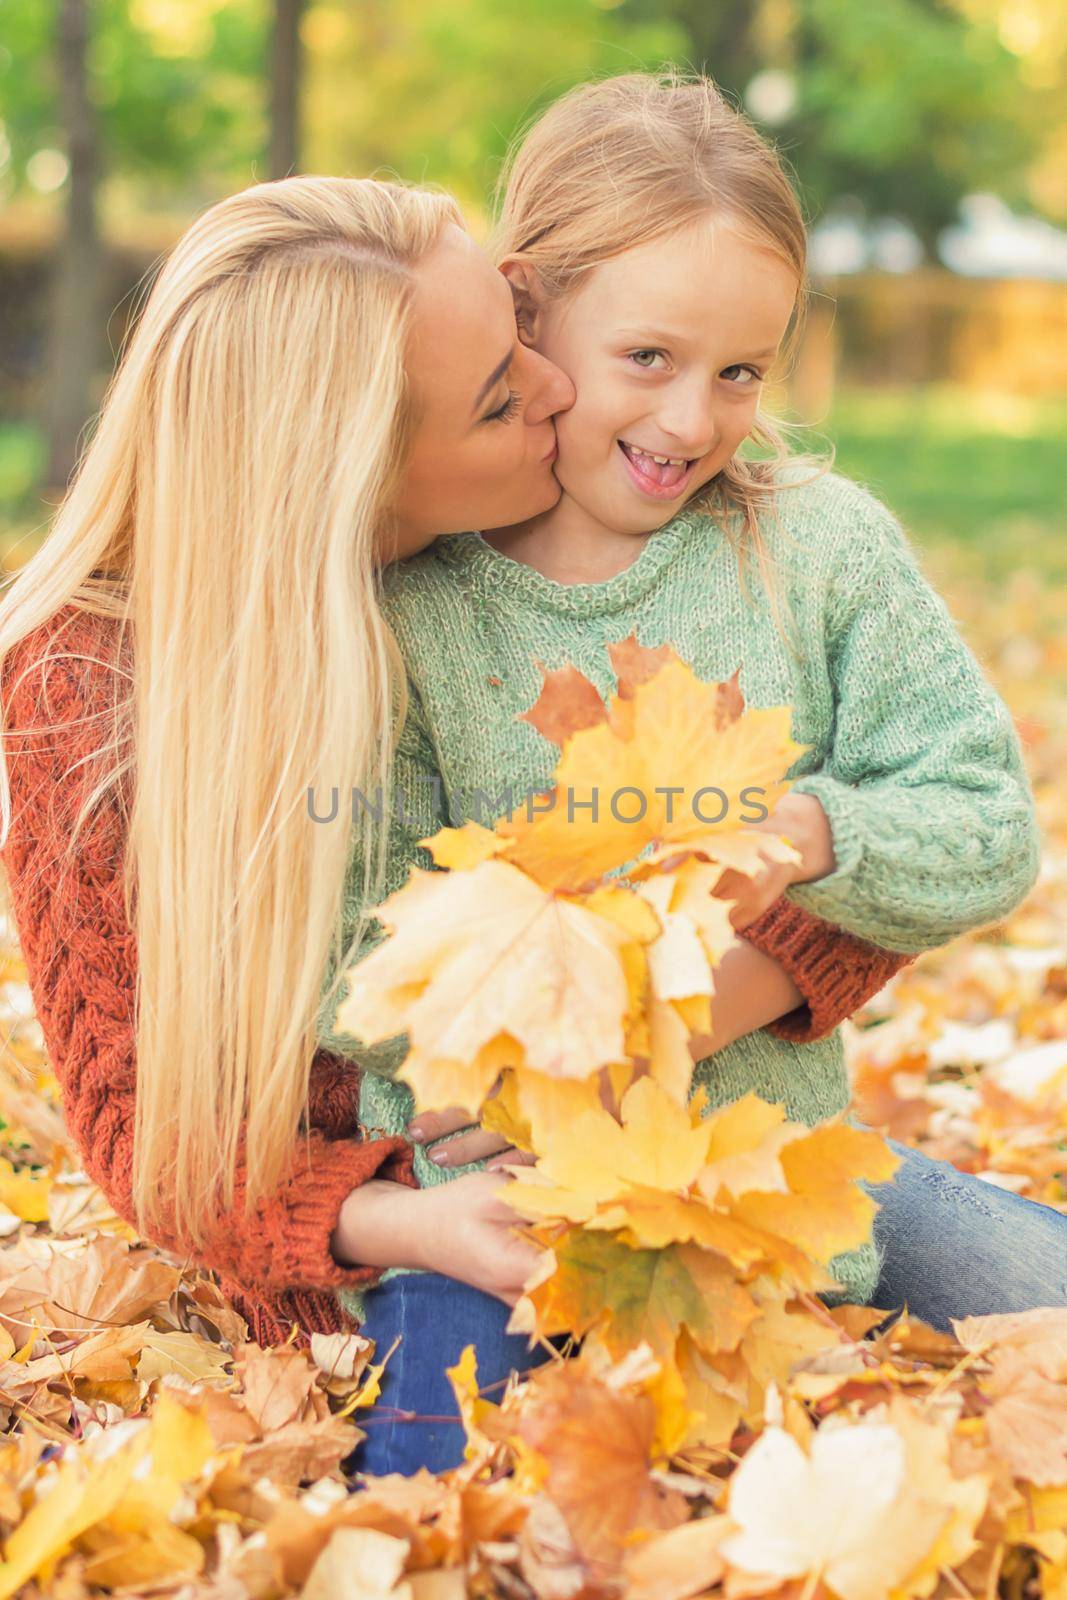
928, 139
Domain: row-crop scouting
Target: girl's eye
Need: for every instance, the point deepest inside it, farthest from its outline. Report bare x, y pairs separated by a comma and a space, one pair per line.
638, 358
750, 372
506, 411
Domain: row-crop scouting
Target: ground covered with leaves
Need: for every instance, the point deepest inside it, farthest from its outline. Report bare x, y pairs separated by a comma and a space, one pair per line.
149, 1448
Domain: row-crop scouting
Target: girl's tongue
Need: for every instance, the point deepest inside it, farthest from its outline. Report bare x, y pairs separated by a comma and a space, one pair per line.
664, 473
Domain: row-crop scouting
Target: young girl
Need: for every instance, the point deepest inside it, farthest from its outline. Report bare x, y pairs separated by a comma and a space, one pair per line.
657, 254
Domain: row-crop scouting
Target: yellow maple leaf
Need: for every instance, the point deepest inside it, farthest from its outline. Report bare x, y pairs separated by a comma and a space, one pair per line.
651, 1179
539, 961
658, 1143
664, 769
509, 958
824, 1211
784, 1334
459, 849
473, 1409
867, 1510
747, 1138
695, 934
530, 1106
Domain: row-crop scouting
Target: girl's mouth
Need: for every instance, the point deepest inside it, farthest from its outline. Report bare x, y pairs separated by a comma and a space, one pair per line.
661, 477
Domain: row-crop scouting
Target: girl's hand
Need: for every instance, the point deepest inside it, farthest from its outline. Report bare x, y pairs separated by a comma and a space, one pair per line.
801, 818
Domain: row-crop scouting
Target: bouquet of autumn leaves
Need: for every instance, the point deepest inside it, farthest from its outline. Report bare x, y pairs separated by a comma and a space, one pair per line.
569, 950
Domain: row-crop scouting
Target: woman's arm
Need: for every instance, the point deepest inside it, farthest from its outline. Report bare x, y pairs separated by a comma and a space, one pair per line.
80, 956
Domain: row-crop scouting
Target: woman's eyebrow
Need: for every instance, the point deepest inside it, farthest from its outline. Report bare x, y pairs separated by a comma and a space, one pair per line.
493, 378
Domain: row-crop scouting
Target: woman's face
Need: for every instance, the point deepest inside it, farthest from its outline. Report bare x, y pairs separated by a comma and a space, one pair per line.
484, 439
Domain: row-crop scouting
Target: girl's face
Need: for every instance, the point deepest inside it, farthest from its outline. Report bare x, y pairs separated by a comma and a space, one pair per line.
485, 443
667, 346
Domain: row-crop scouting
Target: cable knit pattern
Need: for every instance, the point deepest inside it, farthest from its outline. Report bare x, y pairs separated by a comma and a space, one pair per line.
911, 751
81, 960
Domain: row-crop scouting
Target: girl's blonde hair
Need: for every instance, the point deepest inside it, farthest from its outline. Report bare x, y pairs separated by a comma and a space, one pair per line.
616, 164
225, 516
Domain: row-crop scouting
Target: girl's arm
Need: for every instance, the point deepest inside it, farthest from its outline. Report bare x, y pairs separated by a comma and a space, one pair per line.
933, 819
791, 972
81, 962
797, 976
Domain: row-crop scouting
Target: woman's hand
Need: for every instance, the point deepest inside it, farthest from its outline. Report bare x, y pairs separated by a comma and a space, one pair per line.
464, 1229
801, 818
473, 1144
470, 1235
477, 1142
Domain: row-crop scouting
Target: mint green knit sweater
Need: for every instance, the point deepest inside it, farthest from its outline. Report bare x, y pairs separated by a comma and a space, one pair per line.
913, 755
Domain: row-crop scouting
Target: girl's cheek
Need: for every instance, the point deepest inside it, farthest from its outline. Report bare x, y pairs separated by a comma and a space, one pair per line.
588, 421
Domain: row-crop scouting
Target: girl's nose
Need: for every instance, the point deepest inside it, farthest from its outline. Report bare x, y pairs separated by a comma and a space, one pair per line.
689, 419
548, 386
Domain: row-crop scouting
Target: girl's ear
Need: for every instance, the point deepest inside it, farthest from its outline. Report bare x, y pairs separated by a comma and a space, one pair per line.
528, 293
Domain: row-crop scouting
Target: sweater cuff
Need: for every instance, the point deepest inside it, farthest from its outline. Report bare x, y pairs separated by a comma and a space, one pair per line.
341, 1167
834, 971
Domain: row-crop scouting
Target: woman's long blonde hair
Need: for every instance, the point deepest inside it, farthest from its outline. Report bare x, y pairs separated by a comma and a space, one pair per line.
225, 516
618, 163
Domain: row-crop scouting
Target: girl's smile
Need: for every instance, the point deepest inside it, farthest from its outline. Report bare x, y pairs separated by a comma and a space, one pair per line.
661, 477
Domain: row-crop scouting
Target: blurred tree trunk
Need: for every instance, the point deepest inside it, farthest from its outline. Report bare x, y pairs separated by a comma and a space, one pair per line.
721, 35
285, 75
75, 342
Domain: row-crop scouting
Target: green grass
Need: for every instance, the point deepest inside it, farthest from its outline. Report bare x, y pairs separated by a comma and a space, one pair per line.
978, 478
984, 474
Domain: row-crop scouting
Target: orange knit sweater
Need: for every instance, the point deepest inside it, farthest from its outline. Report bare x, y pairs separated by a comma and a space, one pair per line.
274, 1264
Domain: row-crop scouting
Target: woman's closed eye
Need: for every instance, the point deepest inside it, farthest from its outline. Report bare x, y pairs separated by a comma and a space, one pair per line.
505, 412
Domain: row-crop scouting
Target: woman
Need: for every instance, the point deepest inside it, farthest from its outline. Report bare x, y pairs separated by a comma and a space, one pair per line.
281, 315
324, 379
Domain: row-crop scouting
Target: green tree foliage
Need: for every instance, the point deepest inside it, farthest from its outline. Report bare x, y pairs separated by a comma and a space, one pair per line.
905, 104
178, 85
435, 89
908, 106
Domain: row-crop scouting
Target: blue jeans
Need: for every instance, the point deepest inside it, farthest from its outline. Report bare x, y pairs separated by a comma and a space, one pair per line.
416, 1423
955, 1246
952, 1246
